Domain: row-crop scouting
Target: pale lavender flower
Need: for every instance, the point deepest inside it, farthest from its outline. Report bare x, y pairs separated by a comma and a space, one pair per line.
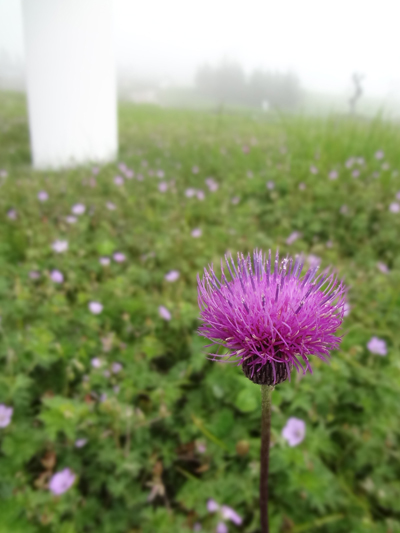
95, 307
3, 173
160, 173
5, 415
201, 447
293, 237
164, 313
78, 209
313, 169
140, 177
12, 214
119, 257
398, 196
42, 196
333, 175
70, 219
355, 173
118, 180
103, 397
211, 184
33, 274
105, 261
96, 362
200, 195
129, 174
196, 233
61, 481
350, 162
235, 200
197, 526
382, 267
346, 309
163, 186
80, 443
379, 154
116, 368
270, 185
294, 431
116, 389
212, 506
195, 169
95, 170
221, 528
172, 275
106, 374
230, 514
189, 193
313, 260
60, 246
377, 346
56, 276
394, 207
110, 206
302, 186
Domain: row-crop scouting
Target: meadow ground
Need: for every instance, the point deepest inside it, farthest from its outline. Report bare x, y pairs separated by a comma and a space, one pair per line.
99, 356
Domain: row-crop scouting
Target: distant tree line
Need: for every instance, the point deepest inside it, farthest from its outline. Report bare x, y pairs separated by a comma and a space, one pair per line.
227, 83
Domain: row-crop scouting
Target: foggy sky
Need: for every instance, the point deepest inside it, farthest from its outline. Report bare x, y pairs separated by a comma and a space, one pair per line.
323, 42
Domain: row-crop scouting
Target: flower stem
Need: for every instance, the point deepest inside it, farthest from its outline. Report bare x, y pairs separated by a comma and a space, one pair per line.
266, 392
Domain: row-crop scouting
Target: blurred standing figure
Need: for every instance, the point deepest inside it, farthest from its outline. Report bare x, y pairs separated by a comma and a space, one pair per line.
357, 79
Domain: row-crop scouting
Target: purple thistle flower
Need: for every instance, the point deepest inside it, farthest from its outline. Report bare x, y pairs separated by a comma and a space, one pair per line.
382, 267
333, 174
70, 219
293, 237
268, 317
80, 443
270, 185
42, 196
230, 514
119, 257
116, 368
12, 214
355, 173
105, 261
119, 180
211, 184
110, 206
221, 526
60, 246
61, 481
5, 415
96, 362
377, 346
189, 193
163, 186
212, 506
379, 154
313, 169
394, 207
33, 274
78, 209
196, 233
294, 431
200, 194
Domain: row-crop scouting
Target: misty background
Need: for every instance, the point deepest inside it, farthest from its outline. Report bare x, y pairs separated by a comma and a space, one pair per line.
300, 56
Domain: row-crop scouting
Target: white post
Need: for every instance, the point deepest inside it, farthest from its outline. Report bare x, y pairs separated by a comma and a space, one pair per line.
71, 85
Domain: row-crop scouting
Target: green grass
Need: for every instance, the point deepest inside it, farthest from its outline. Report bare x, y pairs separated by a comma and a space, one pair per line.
170, 399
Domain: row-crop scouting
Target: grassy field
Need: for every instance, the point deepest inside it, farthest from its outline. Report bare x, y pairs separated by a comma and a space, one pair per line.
99, 356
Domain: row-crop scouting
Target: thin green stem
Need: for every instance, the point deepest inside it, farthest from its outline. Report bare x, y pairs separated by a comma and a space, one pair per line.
266, 392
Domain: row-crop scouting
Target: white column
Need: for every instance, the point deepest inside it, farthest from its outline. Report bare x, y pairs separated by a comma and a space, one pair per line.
71, 82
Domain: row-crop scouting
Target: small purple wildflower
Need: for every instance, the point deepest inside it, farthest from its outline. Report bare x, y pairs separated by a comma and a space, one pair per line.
313, 169
398, 196
95, 307
313, 260
56, 276
350, 162
110, 206
106, 374
293, 237
221, 528
267, 315
129, 173
201, 447
333, 175
70, 219
355, 173
60, 246
346, 309
189, 193
140, 177
172, 275
270, 185
95, 170
163, 186
294, 431
230, 514
200, 195
196, 233
96, 362
122, 166
211, 184
160, 173
226, 513
105, 261
212, 506
42, 196
377, 346
33, 274
61, 481
197, 526
12, 214
382, 267
235, 200
116, 368
379, 154
78, 209
80, 443
118, 180
119, 257
394, 207
5, 415
164, 313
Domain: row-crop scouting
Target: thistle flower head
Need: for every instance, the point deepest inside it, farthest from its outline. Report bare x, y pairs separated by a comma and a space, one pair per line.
268, 316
